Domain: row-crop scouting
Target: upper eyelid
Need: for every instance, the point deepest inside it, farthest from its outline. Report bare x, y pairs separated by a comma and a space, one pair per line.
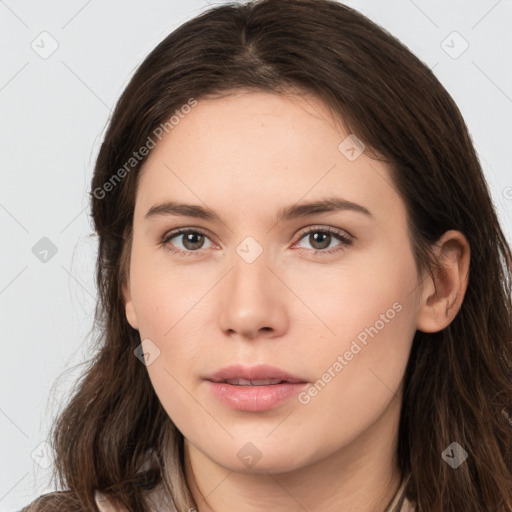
330, 229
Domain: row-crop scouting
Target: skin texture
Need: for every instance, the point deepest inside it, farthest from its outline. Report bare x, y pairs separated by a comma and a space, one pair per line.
246, 156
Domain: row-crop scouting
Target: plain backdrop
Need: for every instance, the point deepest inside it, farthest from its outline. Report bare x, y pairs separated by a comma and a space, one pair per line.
63, 66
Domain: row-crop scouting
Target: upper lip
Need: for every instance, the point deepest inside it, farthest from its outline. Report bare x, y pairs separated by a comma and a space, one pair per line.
259, 372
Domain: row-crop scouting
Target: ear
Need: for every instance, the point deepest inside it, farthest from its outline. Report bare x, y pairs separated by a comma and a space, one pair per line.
442, 297
131, 316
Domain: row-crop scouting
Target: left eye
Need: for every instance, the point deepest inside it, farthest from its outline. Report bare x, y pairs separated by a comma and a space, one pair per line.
325, 238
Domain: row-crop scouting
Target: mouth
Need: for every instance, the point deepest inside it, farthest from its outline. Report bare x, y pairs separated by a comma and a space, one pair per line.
259, 382
260, 375
253, 389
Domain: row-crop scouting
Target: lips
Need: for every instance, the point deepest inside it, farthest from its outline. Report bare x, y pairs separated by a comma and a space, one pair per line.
253, 389
261, 375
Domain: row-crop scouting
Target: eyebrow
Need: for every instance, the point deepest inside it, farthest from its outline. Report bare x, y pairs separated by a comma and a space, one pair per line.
328, 205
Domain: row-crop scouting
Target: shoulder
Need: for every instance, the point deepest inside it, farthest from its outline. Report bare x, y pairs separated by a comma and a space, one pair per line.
156, 500
56, 501
407, 506
67, 501
105, 505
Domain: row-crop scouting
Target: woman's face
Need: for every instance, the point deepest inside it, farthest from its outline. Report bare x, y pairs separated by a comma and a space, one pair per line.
252, 285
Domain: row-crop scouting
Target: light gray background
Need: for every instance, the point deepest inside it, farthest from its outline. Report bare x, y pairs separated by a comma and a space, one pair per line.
53, 114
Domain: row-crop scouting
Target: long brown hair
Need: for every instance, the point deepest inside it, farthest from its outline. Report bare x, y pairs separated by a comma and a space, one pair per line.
458, 382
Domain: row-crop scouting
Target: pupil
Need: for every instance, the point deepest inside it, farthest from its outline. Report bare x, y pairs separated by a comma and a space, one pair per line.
322, 243
189, 239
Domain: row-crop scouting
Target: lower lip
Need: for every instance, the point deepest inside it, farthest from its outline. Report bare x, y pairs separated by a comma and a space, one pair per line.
254, 398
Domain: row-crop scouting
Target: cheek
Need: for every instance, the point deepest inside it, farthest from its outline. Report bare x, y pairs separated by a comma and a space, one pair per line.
167, 303
163, 295
372, 310
369, 297
170, 312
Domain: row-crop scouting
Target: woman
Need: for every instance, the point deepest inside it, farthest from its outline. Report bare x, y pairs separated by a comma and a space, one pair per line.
305, 292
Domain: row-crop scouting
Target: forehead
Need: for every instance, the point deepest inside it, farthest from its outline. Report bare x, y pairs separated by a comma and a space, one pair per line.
251, 125
250, 150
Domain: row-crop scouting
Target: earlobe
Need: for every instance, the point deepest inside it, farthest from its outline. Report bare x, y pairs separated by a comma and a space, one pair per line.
129, 308
442, 295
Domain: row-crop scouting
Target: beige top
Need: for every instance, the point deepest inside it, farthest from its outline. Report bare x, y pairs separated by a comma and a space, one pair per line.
157, 500
398, 504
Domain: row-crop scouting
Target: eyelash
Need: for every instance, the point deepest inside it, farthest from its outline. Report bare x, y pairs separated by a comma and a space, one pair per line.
344, 239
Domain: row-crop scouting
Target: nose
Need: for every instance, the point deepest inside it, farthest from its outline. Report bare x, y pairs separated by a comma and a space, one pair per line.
253, 300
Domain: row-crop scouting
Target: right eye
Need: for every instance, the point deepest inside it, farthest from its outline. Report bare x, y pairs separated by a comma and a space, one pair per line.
192, 241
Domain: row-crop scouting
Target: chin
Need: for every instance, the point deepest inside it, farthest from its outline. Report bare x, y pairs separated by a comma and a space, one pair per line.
259, 457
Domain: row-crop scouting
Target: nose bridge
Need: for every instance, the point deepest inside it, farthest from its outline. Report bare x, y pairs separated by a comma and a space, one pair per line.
250, 271
250, 300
